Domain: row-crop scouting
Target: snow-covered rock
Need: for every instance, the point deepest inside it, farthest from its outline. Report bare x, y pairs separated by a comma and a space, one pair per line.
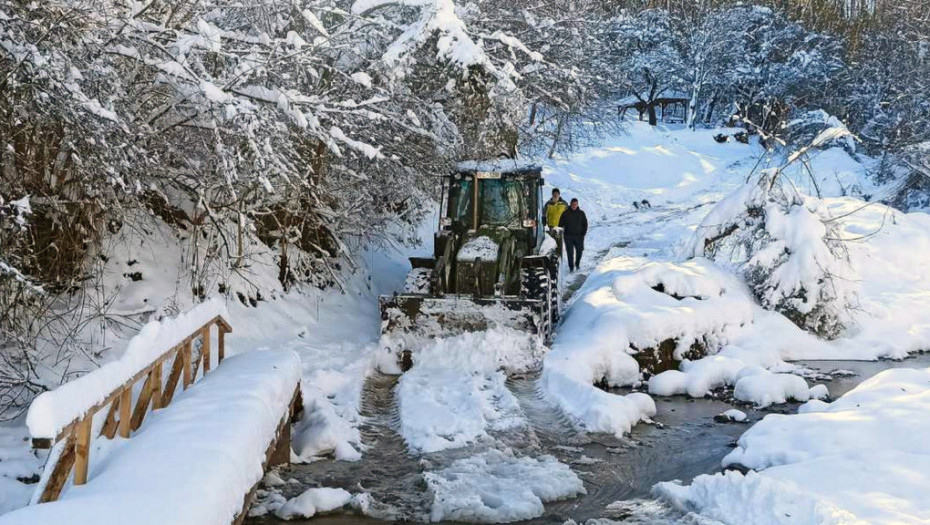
734, 415
765, 388
313, 501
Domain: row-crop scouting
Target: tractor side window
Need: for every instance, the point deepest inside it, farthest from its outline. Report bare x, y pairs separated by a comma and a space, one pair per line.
460, 205
502, 202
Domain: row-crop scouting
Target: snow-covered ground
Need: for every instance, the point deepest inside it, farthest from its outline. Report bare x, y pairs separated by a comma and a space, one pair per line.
645, 192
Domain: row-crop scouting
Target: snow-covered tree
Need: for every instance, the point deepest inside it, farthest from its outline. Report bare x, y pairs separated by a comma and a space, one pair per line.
786, 245
647, 63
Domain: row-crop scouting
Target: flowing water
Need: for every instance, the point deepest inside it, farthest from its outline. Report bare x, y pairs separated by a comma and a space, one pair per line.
618, 473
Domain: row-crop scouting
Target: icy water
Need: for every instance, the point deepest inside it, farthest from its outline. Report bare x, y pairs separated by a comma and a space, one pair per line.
618, 472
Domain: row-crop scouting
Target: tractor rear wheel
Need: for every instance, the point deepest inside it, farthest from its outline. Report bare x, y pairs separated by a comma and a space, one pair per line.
555, 298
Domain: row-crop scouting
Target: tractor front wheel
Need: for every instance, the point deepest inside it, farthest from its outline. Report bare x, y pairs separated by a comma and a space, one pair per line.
537, 284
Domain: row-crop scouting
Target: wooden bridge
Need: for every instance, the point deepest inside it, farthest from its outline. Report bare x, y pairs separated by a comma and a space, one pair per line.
243, 408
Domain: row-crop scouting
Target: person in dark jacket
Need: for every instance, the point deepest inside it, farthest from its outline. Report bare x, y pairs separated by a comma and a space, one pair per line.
574, 223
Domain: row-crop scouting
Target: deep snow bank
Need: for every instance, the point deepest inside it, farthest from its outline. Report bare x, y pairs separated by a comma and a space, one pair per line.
630, 305
861, 459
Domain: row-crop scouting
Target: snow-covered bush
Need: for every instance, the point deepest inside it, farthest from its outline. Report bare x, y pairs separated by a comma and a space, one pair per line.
787, 247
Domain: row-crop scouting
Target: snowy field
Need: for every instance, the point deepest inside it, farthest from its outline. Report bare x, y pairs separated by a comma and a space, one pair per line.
636, 288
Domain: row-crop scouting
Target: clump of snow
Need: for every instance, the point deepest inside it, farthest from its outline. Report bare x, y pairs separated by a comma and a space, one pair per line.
697, 378
819, 392
499, 487
169, 470
314, 501
733, 414
481, 247
860, 459
51, 411
362, 78
765, 388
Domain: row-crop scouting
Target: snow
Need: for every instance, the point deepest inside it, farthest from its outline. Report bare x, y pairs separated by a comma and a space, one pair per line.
456, 392
313, 501
819, 392
369, 151
734, 415
362, 78
619, 312
499, 487
496, 166
214, 434
482, 247
51, 411
860, 459
765, 388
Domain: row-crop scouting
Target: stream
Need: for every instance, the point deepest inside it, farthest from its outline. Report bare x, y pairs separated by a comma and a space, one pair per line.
618, 473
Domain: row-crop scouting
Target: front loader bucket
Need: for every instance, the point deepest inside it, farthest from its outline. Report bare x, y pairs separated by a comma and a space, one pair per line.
429, 317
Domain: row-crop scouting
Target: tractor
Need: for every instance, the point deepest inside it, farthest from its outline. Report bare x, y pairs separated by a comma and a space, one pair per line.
493, 263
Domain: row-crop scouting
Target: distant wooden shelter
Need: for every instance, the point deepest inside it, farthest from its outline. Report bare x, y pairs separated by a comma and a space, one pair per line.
673, 106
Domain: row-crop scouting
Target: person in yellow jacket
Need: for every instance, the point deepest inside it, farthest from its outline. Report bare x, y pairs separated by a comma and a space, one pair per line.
554, 208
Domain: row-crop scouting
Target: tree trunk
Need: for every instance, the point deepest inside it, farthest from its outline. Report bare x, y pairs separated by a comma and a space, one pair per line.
691, 119
653, 120
558, 135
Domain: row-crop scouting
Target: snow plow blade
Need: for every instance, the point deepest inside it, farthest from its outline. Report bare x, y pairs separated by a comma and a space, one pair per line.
428, 316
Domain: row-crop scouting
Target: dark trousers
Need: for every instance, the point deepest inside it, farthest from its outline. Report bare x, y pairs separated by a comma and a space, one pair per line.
574, 245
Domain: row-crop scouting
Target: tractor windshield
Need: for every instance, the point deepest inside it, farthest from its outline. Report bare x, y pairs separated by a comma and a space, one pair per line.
501, 202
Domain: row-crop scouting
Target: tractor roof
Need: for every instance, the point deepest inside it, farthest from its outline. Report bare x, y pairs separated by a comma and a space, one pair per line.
502, 166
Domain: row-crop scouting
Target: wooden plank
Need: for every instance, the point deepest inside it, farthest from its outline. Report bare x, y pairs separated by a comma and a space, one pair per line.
186, 360
221, 346
195, 363
60, 473
66, 430
125, 412
206, 350
82, 449
156, 386
110, 423
142, 404
173, 378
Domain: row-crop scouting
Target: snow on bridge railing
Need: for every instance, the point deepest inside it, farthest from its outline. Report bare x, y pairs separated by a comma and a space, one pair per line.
67, 413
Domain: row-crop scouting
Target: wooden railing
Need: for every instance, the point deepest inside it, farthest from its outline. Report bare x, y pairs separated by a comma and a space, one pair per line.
122, 418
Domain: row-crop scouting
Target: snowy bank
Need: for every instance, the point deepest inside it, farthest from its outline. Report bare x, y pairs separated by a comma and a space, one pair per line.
191, 463
51, 411
629, 307
861, 459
